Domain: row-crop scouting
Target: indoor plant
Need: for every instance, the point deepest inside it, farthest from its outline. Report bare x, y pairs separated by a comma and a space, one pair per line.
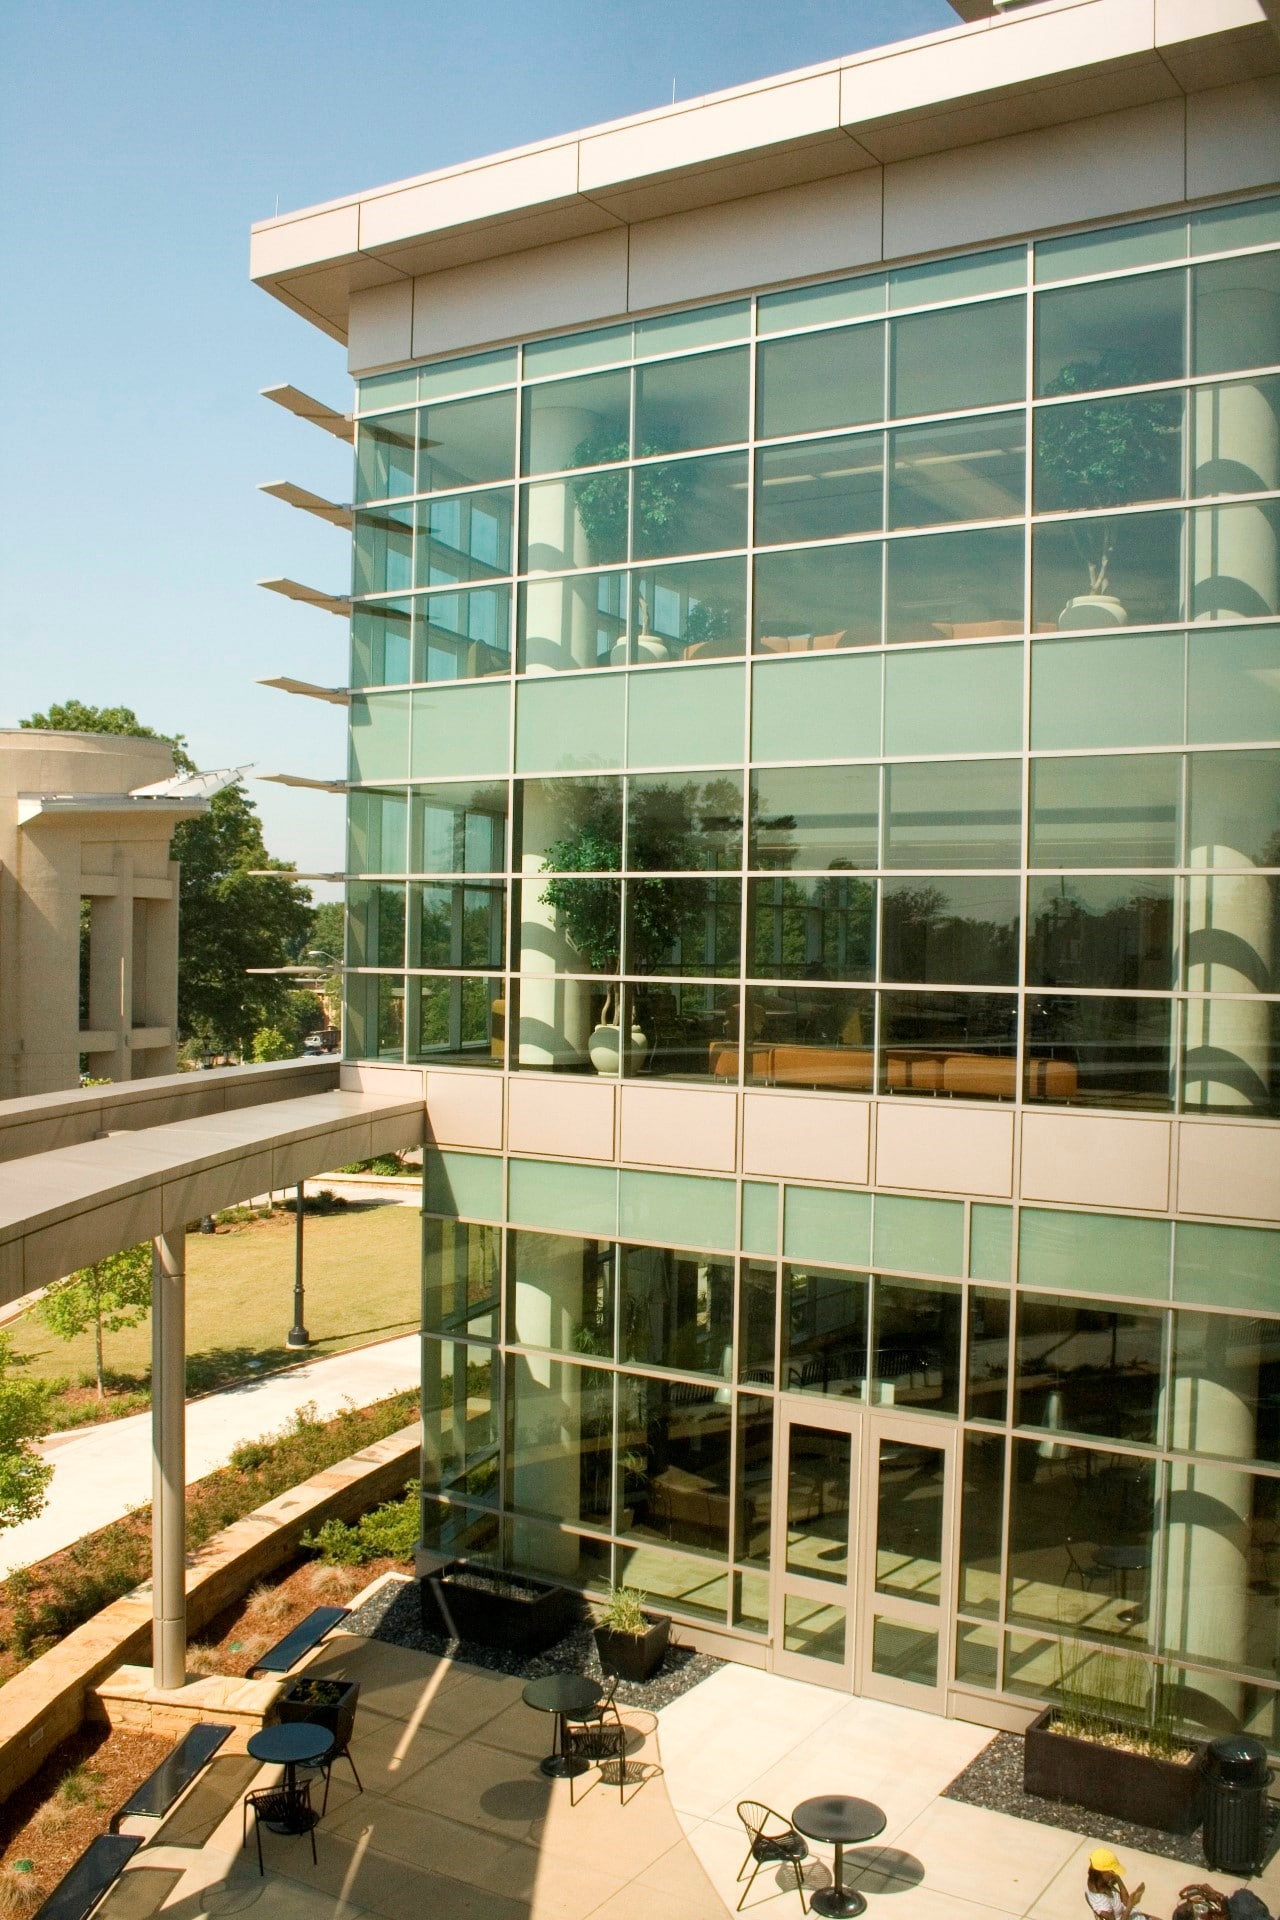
1107, 452
631, 1642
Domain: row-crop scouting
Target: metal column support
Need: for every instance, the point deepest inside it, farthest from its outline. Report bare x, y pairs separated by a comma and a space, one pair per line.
168, 1461
297, 1335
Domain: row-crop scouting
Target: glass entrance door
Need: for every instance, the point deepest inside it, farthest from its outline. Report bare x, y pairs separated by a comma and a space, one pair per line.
864, 1565
907, 1567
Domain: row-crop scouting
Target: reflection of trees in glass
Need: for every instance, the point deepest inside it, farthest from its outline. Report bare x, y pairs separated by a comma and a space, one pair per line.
472, 998
1106, 453
1126, 944
601, 500
924, 938
460, 927
823, 929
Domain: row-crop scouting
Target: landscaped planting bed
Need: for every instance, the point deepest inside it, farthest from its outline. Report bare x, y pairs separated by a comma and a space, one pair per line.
47, 1824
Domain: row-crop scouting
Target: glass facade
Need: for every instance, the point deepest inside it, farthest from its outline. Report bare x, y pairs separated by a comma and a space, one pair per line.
869, 688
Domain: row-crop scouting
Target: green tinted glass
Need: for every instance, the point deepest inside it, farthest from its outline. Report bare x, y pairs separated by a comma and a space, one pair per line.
690, 610
814, 819
565, 725
972, 357
464, 442
1233, 684
380, 736
819, 598
825, 708
820, 490
1106, 812
831, 300
1119, 333
954, 586
824, 1224
1142, 674
1144, 243
698, 402
689, 506
990, 1242
1236, 313
833, 379
1094, 1253
462, 730
953, 814
576, 423
953, 700
686, 719
919, 1236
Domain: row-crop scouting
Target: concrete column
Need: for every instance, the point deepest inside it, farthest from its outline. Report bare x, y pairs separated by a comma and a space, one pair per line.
545, 1467
168, 1461
1235, 556
561, 615
555, 1013
111, 969
1213, 1395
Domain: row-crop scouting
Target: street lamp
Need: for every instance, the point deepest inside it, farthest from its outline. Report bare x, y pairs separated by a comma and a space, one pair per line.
297, 1335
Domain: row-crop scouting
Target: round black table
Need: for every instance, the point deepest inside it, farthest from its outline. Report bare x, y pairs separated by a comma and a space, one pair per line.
843, 1821
563, 1694
296, 1743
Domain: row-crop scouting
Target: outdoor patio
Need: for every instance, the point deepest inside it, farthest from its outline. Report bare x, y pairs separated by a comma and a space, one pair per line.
457, 1821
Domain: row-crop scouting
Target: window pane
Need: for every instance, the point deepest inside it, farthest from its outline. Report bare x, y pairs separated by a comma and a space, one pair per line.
673, 1443
962, 1044
824, 597
1236, 317
1095, 1252
1234, 810
1225, 1381
1231, 934
462, 730
970, 357
811, 929
955, 586
574, 352
960, 278
820, 490
379, 740
687, 1031
1231, 1057
689, 927
918, 1236
460, 1434
684, 825
1233, 437
1122, 333
1250, 223
460, 829
457, 926
915, 1346
382, 551
953, 814
456, 1021
950, 931
466, 441
381, 644
810, 1036
1109, 453
1088, 1370
384, 457
953, 700
696, 610
1100, 933
1233, 684
826, 707
1112, 812
676, 1309
568, 925
570, 725
1233, 561
574, 523
824, 1331
987, 1366
690, 506
578, 622
820, 380
966, 470
1221, 1601
576, 423
466, 537
375, 924
1143, 243
830, 300
1125, 572
560, 1293
463, 636
755, 1463
1069, 1507
467, 374
696, 327
1102, 1053
460, 1269
699, 402
990, 1242
560, 1440
373, 1016
815, 817
686, 718
1143, 674
377, 839
568, 826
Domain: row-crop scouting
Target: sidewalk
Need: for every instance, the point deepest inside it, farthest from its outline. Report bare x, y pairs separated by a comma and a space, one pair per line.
100, 1473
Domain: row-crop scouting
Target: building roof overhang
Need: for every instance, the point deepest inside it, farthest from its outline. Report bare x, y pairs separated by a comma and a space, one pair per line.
1038, 65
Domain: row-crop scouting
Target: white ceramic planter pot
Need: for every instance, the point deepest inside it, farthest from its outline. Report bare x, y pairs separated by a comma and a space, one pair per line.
603, 1048
1092, 610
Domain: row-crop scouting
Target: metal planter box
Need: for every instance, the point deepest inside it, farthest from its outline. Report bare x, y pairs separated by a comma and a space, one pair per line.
499, 1610
1165, 1794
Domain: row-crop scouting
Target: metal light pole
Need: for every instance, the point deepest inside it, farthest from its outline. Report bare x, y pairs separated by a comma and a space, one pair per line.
297, 1335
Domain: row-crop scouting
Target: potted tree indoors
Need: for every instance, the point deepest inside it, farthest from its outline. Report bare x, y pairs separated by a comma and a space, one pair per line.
630, 1641
1100, 453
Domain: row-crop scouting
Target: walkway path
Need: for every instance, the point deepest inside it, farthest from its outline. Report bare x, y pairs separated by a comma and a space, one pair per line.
100, 1473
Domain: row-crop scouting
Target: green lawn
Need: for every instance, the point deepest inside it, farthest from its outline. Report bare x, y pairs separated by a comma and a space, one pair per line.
362, 1284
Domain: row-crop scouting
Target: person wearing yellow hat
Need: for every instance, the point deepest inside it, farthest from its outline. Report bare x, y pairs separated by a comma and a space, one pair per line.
1105, 1889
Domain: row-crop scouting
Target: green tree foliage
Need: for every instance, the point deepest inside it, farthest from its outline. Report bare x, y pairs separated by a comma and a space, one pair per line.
113, 1295
24, 1417
269, 1043
325, 940
229, 918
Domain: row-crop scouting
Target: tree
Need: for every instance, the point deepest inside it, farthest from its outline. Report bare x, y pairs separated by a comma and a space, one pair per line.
229, 917
113, 1295
270, 1044
24, 1417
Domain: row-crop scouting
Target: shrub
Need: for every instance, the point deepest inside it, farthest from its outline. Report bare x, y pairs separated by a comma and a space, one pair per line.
389, 1532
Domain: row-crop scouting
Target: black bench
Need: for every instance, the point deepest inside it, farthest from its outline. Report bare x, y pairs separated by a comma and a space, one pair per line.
79, 1891
175, 1773
307, 1634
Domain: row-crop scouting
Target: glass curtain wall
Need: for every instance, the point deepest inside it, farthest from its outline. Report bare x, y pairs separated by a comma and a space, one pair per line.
868, 686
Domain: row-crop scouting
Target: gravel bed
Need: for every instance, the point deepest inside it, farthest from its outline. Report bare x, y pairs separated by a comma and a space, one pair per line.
394, 1614
994, 1781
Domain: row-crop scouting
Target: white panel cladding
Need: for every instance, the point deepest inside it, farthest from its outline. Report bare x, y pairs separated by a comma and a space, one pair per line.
1233, 138
945, 1149
1096, 1160
568, 284
381, 327
708, 131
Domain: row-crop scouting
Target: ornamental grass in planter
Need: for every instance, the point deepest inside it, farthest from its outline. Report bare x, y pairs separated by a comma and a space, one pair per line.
631, 1643
321, 1703
1111, 1745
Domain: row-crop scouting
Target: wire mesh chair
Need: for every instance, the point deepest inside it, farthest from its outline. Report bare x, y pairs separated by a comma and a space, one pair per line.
601, 1746
769, 1845
285, 1810
605, 1706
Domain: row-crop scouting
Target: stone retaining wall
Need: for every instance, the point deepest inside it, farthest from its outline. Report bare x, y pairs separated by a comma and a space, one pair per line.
46, 1703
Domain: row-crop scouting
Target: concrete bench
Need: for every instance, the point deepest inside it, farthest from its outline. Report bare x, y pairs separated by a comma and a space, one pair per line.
307, 1634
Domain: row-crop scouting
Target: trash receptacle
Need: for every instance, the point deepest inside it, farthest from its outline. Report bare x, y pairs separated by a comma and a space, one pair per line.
1235, 1803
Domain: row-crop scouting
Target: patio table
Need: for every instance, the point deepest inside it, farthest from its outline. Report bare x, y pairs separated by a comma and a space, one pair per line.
563, 1694
297, 1743
842, 1820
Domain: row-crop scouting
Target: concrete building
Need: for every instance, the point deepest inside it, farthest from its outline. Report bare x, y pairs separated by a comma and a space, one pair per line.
813, 843
88, 909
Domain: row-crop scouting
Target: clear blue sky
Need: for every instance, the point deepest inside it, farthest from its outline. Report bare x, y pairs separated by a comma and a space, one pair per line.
140, 140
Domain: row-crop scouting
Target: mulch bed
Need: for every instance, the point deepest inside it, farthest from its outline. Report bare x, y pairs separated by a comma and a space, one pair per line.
243, 1631
394, 1614
47, 1824
994, 1781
